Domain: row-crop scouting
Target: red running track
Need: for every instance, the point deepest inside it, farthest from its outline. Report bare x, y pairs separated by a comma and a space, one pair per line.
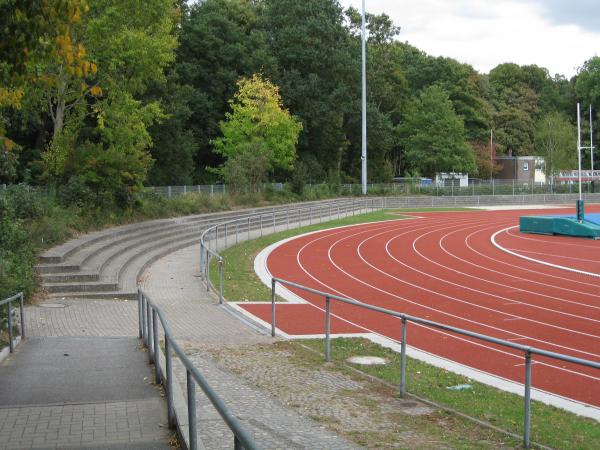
443, 266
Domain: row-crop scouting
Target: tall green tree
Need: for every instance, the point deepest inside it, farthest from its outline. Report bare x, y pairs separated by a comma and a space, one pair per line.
434, 136
258, 135
556, 141
220, 42
315, 69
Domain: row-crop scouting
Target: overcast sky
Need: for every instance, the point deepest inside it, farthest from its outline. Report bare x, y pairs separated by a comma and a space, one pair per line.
559, 35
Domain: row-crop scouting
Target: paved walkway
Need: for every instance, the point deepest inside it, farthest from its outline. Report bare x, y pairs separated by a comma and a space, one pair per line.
80, 392
198, 321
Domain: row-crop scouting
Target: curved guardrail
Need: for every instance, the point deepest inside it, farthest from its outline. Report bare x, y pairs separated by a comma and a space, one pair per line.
149, 316
9, 317
256, 225
405, 319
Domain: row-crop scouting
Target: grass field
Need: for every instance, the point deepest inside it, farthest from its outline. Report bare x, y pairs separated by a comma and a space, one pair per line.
551, 426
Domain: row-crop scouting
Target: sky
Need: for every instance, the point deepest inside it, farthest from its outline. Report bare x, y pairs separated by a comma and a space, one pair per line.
559, 35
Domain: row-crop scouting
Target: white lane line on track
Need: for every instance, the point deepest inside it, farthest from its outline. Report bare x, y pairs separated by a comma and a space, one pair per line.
553, 255
545, 263
461, 318
463, 286
525, 269
549, 241
409, 301
563, 300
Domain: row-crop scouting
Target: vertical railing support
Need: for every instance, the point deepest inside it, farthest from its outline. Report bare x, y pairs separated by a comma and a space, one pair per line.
248, 228
261, 225
403, 360
273, 222
139, 313
150, 337
191, 400
221, 281
169, 382
327, 328
273, 307
11, 344
22, 316
527, 418
207, 271
144, 325
157, 377
225, 236
237, 445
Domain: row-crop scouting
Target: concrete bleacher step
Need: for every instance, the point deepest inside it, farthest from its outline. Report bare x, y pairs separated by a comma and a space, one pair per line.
69, 276
97, 286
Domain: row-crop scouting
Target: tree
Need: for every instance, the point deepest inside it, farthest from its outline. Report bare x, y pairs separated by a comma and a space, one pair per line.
434, 136
259, 129
555, 140
220, 42
315, 71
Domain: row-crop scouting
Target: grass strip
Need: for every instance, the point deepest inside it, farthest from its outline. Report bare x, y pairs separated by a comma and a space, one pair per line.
551, 426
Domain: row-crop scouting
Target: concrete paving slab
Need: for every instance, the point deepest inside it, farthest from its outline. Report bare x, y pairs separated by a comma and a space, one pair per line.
75, 369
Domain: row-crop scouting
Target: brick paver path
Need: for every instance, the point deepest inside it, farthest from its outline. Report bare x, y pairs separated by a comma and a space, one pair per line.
198, 320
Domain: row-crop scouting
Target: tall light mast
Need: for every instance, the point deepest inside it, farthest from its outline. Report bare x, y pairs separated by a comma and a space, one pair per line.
364, 103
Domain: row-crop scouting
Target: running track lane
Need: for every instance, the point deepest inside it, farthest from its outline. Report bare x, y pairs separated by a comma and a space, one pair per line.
443, 267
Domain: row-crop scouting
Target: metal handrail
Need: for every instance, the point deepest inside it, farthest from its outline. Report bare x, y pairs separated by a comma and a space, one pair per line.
246, 222
148, 313
405, 318
7, 302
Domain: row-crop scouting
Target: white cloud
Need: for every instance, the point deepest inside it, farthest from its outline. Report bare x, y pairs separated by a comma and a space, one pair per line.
485, 33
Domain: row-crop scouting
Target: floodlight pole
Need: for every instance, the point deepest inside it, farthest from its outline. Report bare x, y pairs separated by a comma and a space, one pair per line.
592, 142
491, 155
364, 103
579, 146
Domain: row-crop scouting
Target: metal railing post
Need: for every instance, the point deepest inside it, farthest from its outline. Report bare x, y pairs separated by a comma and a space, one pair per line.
261, 225
237, 238
237, 445
11, 344
144, 326
221, 281
273, 307
150, 337
201, 259
287, 214
225, 235
207, 271
527, 418
273, 221
139, 313
248, 228
403, 360
22, 316
169, 382
157, 377
191, 405
327, 328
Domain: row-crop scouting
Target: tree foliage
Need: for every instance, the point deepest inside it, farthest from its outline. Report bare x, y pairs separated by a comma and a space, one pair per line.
257, 128
556, 142
434, 136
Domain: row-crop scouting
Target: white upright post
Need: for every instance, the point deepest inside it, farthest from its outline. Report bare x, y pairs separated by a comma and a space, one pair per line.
592, 142
364, 103
579, 146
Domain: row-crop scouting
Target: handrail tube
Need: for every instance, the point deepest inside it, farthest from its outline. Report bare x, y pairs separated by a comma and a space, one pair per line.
7, 301
441, 326
231, 421
10, 299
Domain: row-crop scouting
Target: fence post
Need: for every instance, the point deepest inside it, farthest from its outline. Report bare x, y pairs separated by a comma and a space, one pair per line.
220, 281
327, 328
150, 337
156, 347
21, 307
273, 307
261, 226
403, 360
273, 222
225, 236
207, 271
144, 325
139, 313
191, 400
169, 382
527, 418
237, 238
11, 345
169, 191
248, 228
